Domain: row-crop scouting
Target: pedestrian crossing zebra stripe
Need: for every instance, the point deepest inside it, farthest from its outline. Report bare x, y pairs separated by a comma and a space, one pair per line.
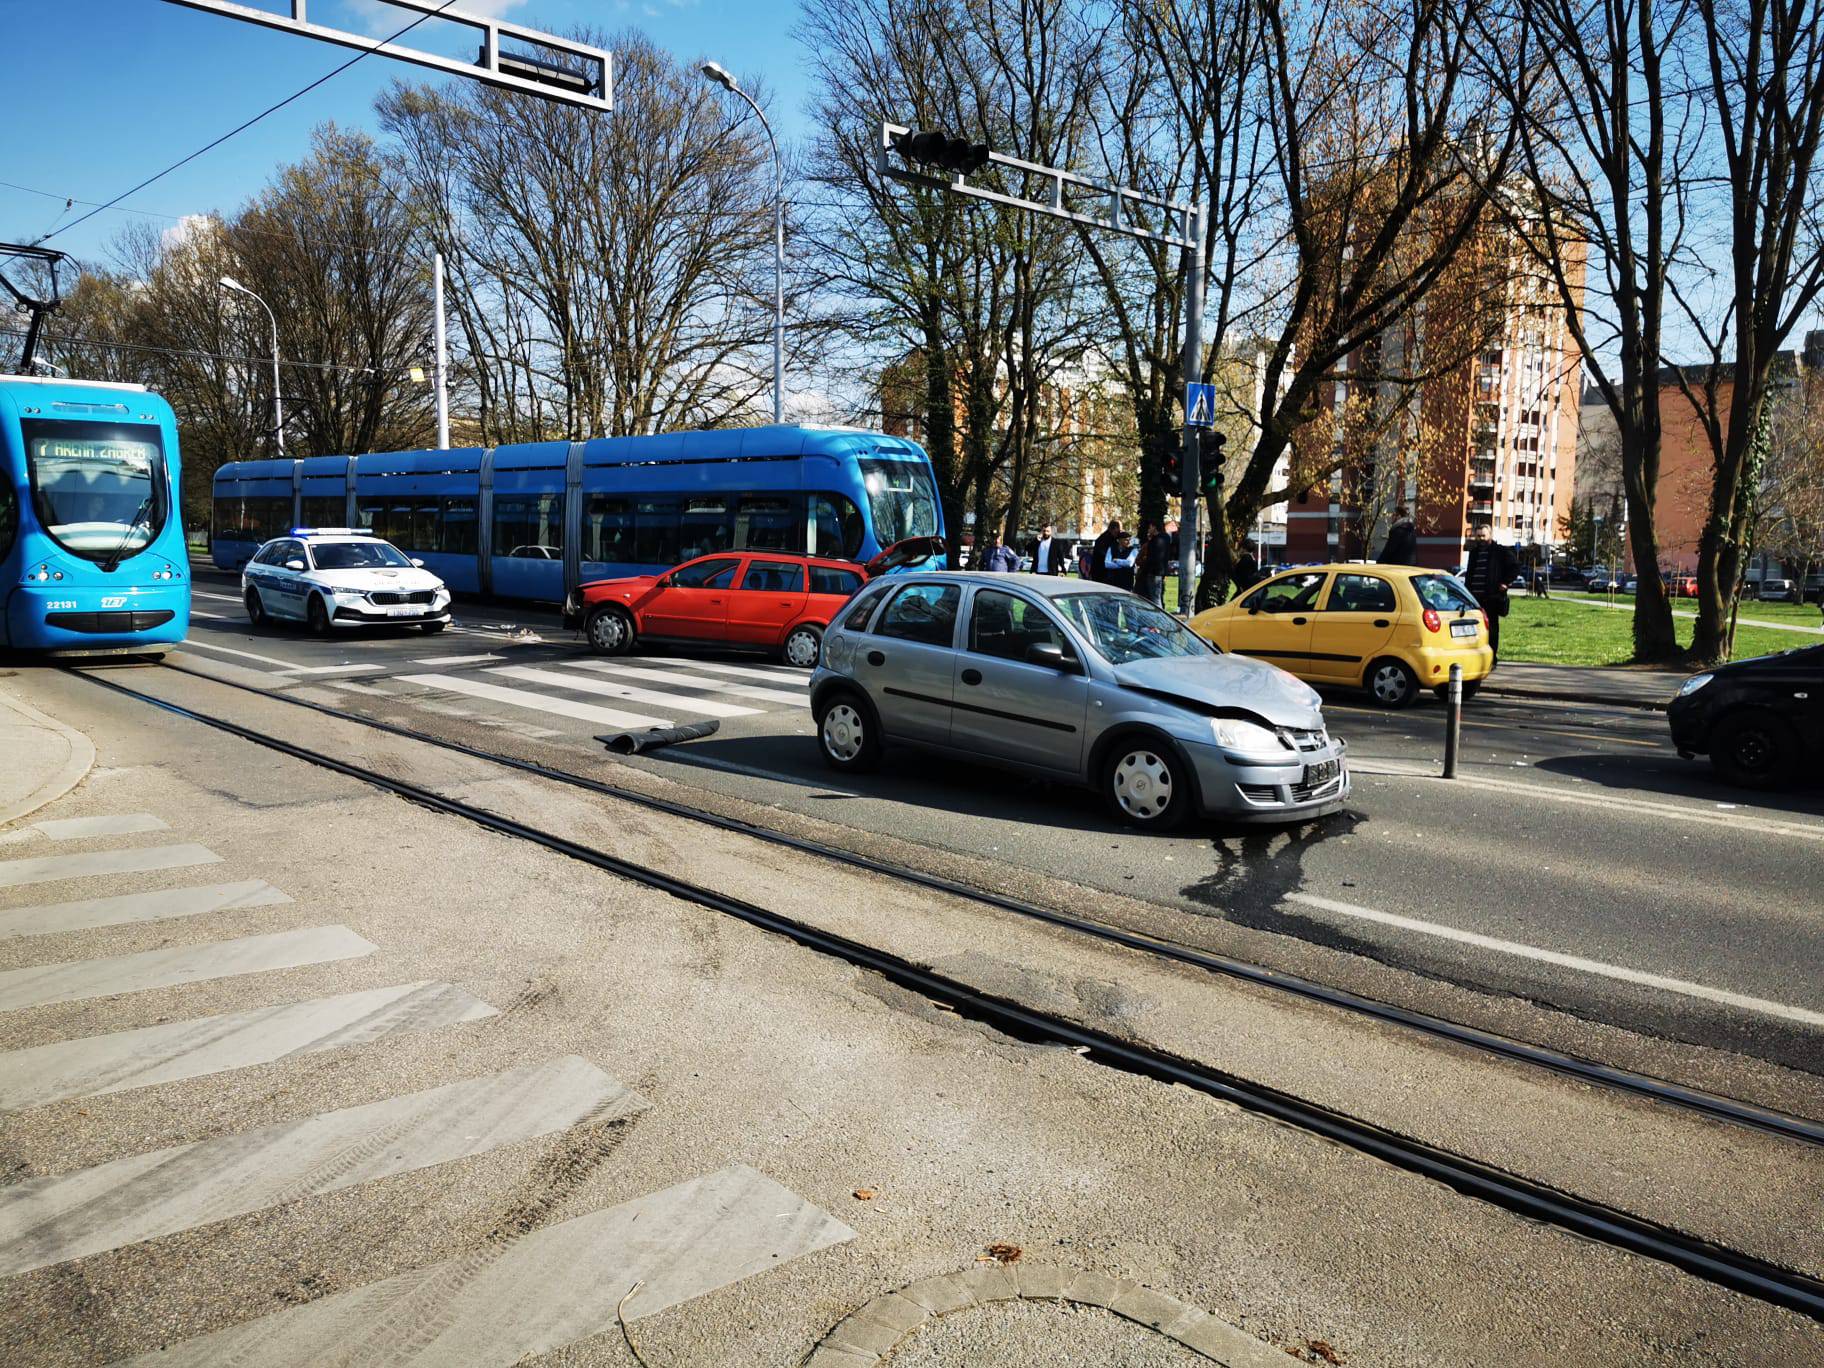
45, 1221
536, 702
43, 984
141, 860
781, 675
678, 680
86, 828
566, 1282
710, 707
86, 913
96, 1065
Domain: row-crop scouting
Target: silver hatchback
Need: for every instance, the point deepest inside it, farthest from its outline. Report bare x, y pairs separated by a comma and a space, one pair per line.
1068, 680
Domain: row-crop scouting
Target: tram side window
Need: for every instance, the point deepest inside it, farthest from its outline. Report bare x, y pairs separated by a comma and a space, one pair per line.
457, 535
655, 531
704, 526
528, 520
835, 527
254, 520
375, 514
769, 522
608, 530
324, 510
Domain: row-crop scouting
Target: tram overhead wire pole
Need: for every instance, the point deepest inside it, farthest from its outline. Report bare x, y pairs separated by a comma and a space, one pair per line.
1131, 213
278, 403
718, 73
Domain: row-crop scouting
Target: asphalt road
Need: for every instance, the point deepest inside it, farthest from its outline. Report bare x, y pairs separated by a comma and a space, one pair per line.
1578, 865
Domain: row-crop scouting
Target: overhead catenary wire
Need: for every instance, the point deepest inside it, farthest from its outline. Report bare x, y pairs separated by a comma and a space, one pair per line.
248, 123
68, 341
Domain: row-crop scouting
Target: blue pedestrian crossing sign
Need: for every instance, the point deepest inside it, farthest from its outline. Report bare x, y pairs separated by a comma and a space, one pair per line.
1200, 406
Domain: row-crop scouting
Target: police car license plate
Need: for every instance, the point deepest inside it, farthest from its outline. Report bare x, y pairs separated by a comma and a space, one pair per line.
1322, 772
1463, 627
405, 609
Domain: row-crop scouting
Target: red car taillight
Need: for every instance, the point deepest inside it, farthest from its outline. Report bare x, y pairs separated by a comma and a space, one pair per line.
1433, 623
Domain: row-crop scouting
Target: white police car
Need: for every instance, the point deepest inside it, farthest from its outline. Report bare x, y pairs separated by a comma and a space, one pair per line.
333, 577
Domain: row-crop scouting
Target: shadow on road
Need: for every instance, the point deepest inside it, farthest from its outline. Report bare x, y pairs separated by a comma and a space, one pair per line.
1668, 776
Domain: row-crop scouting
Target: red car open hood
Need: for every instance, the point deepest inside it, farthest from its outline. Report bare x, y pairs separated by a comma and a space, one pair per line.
901, 553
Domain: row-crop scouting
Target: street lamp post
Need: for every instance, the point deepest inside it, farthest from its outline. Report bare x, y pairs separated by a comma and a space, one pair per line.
719, 74
278, 410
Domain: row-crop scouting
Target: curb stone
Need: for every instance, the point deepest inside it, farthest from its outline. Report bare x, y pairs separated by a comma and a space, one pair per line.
872, 1331
79, 760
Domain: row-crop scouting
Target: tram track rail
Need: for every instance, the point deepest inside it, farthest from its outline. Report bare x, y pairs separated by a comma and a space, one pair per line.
1717, 1264
1733, 1111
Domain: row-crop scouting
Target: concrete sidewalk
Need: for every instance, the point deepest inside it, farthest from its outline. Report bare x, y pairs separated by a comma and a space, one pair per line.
40, 758
1623, 686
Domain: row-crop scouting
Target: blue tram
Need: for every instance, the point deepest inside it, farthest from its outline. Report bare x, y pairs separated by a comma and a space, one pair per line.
533, 521
92, 553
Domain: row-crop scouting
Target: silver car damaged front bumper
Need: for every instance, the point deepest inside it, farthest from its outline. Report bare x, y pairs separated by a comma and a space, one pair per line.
1253, 791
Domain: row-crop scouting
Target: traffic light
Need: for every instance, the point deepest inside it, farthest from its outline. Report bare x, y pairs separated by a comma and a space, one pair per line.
1209, 463
1171, 464
930, 148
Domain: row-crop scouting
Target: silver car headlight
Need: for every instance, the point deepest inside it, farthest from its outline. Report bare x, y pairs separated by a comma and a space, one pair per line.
1239, 734
1693, 684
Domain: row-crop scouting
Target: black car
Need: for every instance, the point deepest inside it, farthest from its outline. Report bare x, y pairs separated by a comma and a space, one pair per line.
1760, 721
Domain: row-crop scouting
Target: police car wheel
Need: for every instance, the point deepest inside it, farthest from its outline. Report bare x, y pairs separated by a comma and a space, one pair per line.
318, 616
256, 611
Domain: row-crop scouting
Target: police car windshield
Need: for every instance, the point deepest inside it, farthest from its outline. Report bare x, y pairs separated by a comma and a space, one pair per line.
357, 555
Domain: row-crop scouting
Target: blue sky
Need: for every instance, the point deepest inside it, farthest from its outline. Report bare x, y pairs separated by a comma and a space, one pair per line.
104, 92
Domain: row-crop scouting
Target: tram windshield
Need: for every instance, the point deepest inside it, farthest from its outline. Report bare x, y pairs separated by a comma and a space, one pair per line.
900, 498
98, 489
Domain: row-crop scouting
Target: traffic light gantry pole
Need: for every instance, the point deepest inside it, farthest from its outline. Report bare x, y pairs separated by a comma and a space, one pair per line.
1180, 225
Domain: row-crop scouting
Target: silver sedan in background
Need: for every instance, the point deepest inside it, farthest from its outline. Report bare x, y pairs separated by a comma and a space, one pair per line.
1078, 682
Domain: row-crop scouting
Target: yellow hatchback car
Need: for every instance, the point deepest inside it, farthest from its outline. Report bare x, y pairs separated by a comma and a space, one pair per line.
1390, 629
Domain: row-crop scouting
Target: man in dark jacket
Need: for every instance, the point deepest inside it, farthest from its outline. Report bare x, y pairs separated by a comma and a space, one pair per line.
1000, 557
1490, 570
1402, 547
1155, 556
1245, 572
1048, 554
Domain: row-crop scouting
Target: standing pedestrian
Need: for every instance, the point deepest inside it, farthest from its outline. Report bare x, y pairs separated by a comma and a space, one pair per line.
1491, 566
1245, 572
1047, 553
1098, 554
1001, 557
1154, 556
1118, 566
1402, 545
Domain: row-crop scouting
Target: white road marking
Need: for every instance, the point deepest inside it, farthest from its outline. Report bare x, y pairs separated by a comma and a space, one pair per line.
457, 659
48, 918
536, 702
196, 612
120, 1060
353, 687
204, 593
75, 980
336, 669
708, 706
80, 828
781, 675
48, 868
546, 1290
1742, 1001
230, 650
679, 680
1624, 803
46, 1221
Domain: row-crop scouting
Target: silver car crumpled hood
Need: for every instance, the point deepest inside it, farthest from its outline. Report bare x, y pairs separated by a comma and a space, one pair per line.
1229, 682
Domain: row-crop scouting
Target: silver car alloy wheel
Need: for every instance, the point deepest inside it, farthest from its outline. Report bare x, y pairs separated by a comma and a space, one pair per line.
608, 629
842, 732
1143, 785
801, 648
1389, 683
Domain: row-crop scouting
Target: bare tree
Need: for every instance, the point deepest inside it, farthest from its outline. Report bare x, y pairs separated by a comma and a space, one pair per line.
614, 274
1764, 62
1609, 134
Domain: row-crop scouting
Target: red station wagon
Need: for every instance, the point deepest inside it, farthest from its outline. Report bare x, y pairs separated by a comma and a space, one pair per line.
759, 600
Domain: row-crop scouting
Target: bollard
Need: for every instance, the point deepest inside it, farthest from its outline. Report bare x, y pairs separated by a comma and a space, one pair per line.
1453, 725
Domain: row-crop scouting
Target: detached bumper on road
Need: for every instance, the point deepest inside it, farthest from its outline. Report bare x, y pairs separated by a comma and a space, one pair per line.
1237, 792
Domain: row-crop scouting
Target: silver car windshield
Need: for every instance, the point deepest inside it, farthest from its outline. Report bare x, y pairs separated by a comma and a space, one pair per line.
1124, 629
357, 556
